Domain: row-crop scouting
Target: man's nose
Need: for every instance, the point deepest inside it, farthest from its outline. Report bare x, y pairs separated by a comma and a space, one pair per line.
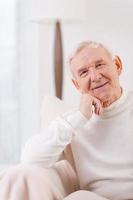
95, 76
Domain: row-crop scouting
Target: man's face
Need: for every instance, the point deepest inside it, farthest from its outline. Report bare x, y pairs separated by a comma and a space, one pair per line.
95, 72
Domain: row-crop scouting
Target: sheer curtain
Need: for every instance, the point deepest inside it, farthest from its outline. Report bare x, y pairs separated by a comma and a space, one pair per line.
9, 85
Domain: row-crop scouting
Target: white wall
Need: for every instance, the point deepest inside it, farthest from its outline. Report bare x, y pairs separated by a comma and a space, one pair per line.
29, 76
108, 21
9, 87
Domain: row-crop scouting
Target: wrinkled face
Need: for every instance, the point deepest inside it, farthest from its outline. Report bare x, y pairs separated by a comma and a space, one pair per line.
97, 73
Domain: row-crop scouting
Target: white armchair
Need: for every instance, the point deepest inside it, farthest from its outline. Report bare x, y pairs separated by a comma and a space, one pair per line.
30, 182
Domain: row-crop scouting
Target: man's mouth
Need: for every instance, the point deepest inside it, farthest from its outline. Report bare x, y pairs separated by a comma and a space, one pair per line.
100, 86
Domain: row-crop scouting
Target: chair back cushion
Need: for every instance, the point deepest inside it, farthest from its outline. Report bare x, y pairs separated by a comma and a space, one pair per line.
51, 108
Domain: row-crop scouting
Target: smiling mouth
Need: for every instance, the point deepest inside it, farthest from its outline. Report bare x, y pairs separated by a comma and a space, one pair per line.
100, 86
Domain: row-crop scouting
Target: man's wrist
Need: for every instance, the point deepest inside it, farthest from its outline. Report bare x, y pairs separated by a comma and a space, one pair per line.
86, 115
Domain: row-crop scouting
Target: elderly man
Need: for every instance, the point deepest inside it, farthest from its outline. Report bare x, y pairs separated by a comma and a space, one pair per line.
100, 131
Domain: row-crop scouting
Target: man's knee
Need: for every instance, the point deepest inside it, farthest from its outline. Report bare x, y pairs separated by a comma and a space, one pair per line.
20, 181
57, 181
61, 171
83, 194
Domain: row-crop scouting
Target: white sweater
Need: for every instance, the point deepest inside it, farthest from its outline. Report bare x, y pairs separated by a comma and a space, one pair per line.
102, 148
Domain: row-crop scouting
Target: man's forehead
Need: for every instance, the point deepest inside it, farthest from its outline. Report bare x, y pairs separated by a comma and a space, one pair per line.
91, 51
89, 55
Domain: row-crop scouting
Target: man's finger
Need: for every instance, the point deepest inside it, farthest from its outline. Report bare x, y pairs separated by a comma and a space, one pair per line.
97, 106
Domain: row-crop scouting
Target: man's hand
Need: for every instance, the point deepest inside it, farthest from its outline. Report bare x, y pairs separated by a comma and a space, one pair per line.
86, 105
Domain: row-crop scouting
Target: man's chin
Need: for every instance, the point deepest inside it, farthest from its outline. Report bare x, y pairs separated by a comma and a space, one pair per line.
104, 99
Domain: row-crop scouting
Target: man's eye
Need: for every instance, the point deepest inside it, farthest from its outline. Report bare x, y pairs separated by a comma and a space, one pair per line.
99, 65
83, 73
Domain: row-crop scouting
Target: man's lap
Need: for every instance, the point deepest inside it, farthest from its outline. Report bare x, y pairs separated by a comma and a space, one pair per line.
29, 182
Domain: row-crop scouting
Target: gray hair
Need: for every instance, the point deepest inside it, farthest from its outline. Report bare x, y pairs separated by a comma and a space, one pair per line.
89, 44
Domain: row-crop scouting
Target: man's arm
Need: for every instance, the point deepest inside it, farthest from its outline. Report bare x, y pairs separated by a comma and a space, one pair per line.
45, 149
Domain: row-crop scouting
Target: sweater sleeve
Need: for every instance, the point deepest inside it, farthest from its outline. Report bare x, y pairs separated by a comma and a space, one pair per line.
45, 148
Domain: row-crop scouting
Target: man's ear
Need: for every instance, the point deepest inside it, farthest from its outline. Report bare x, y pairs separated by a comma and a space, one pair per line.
118, 64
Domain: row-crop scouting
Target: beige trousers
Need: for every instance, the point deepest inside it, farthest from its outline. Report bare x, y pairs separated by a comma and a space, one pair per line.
30, 182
